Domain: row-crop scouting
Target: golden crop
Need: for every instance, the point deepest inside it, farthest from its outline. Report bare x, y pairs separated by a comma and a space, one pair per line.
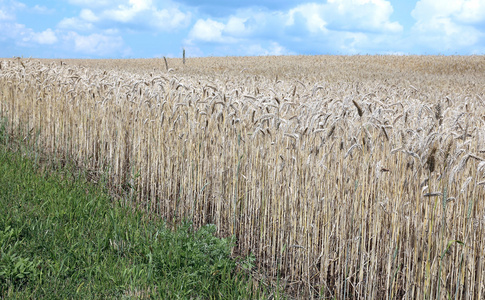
358, 177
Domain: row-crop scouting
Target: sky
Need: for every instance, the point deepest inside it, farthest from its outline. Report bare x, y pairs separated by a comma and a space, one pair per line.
157, 28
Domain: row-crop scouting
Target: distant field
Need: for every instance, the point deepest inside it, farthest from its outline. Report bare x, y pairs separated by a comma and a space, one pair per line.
345, 176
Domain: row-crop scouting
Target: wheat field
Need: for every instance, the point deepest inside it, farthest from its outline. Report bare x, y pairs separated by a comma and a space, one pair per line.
358, 177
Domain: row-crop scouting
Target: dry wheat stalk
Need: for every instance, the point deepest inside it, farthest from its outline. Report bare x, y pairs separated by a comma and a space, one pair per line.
265, 148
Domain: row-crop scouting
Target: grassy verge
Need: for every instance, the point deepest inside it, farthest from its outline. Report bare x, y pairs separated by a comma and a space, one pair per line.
62, 238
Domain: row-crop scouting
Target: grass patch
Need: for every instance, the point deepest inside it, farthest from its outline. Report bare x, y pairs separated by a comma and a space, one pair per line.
63, 238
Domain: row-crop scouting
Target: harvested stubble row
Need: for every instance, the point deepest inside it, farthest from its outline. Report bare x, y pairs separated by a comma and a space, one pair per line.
356, 177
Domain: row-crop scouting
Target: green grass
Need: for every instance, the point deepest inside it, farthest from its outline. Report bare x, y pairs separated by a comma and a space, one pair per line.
62, 238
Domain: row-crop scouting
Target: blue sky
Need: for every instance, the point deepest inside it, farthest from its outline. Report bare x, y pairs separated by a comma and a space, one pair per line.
151, 28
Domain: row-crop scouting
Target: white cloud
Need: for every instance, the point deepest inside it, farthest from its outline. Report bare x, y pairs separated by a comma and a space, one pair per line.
88, 15
105, 42
236, 26
46, 37
9, 8
310, 14
472, 11
235, 29
13, 31
139, 5
466, 11
249, 28
19, 33
272, 49
207, 31
170, 19
41, 9
121, 14
75, 24
93, 3
143, 12
15, 5
23, 36
448, 25
347, 15
132, 14
343, 26
4, 16
247, 33
95, 44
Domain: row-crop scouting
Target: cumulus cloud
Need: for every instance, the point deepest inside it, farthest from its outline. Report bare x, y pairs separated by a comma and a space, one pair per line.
41, 9
46, 37
309, 17
75, 24
448, 25
88, 15
143, 12
271, 4
472, 12
84, 22
235, 29
338, 15
253, 27
464, 11
347, 15
24, 36
105, 42
260, 48
93, 3
8, 9
170, 19
236, 26
344, 26
207, 30
273, 48
97, 44
13, 31
126, 13
17, 33
4, 16
132, 14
